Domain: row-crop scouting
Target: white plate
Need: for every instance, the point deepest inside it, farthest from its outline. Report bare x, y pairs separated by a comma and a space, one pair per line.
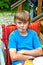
38, 61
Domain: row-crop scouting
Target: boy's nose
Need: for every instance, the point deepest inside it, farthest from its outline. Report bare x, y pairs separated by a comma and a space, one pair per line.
22, 24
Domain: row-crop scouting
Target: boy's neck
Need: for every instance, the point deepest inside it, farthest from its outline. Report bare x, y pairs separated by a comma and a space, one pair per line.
24, 33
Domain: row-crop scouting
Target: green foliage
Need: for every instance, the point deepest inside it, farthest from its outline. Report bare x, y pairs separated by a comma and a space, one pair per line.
1, 3
4, 4
26, 6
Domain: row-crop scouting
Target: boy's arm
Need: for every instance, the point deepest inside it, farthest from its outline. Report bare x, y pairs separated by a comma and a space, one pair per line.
35, 52
18, 56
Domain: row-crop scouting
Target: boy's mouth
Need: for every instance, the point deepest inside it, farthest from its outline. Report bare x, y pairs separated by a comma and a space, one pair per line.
22, 28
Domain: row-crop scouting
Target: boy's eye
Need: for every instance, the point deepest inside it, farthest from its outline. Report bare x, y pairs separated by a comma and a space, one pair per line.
19, 22
22, 22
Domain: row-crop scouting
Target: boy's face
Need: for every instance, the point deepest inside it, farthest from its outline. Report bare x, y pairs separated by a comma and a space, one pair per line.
21, 26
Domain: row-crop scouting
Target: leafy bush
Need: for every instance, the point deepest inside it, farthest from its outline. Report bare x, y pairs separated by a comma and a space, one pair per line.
4, 4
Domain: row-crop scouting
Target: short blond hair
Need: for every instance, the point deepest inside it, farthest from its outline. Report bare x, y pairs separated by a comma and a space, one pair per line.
22, 15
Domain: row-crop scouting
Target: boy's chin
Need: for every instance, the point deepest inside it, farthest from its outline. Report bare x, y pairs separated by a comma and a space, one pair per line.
22, 31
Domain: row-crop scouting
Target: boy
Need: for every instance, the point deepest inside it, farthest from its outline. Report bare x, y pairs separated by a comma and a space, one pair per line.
23, 43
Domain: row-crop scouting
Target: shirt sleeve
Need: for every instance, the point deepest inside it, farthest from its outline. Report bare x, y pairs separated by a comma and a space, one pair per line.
36, 41
12, 41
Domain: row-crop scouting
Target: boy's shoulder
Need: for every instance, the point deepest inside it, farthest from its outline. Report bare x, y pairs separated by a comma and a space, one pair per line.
30, 30
14, 32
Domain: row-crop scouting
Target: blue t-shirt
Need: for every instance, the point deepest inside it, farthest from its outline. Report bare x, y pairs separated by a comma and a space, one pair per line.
19, 42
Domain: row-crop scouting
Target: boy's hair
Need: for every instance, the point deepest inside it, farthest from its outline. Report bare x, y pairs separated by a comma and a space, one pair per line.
22, 16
